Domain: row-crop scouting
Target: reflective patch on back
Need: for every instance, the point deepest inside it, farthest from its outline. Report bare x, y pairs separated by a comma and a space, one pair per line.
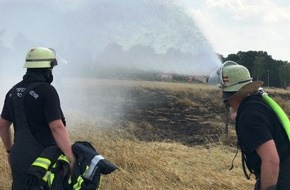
34, 94
20, 91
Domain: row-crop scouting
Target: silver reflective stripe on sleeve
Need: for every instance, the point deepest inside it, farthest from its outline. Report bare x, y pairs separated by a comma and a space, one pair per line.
93, 166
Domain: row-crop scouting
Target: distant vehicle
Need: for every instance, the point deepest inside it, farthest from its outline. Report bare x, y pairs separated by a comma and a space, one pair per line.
166, 77
286, 86
197, 79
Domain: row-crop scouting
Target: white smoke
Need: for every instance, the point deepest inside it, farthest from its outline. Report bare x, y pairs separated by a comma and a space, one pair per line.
81, 31
146, 35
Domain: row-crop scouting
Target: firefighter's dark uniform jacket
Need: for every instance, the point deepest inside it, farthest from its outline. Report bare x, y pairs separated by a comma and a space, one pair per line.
51, 170
30, 105
25, 148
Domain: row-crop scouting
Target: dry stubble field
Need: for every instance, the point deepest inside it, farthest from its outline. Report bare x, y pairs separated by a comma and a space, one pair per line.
161, 135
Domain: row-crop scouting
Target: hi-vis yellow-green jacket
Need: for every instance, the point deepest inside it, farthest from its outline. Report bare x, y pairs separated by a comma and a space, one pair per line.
51, 170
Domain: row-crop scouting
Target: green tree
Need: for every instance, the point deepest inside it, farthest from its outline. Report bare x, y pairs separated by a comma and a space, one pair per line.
284, 74
247, 59
233, 57
259, 67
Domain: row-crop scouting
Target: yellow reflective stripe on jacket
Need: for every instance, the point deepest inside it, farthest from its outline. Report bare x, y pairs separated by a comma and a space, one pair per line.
86, 170
50, 179
50, 176
42, 162
45, 177
69, 180
78, 184
101, 179
63, 158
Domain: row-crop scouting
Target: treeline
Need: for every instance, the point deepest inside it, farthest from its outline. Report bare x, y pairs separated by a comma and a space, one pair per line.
274, 73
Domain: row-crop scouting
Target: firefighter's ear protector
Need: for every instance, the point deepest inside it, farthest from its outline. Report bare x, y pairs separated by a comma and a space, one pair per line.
53, 63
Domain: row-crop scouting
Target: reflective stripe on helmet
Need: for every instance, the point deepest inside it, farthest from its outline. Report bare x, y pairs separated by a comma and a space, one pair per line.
32, 60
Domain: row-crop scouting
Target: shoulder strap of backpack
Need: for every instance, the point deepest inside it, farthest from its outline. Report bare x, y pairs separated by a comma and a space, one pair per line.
32, 86
246, 168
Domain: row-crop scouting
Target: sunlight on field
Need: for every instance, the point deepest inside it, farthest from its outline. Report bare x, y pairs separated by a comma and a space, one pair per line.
160, 165
150, 165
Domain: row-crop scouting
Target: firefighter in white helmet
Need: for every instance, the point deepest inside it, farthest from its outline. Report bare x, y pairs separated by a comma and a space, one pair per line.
261, 135
33, 107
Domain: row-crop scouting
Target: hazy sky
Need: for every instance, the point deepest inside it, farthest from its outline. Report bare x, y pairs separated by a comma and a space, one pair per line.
168, 35
180, 36
242, 25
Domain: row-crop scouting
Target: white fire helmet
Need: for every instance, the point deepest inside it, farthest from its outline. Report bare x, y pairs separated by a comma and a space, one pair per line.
233, 76
40, 57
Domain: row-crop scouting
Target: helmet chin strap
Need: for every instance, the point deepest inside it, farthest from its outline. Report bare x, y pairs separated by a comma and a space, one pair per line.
226, 120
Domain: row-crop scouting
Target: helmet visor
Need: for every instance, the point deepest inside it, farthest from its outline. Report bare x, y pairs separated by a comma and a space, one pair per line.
216, 76
58, 59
